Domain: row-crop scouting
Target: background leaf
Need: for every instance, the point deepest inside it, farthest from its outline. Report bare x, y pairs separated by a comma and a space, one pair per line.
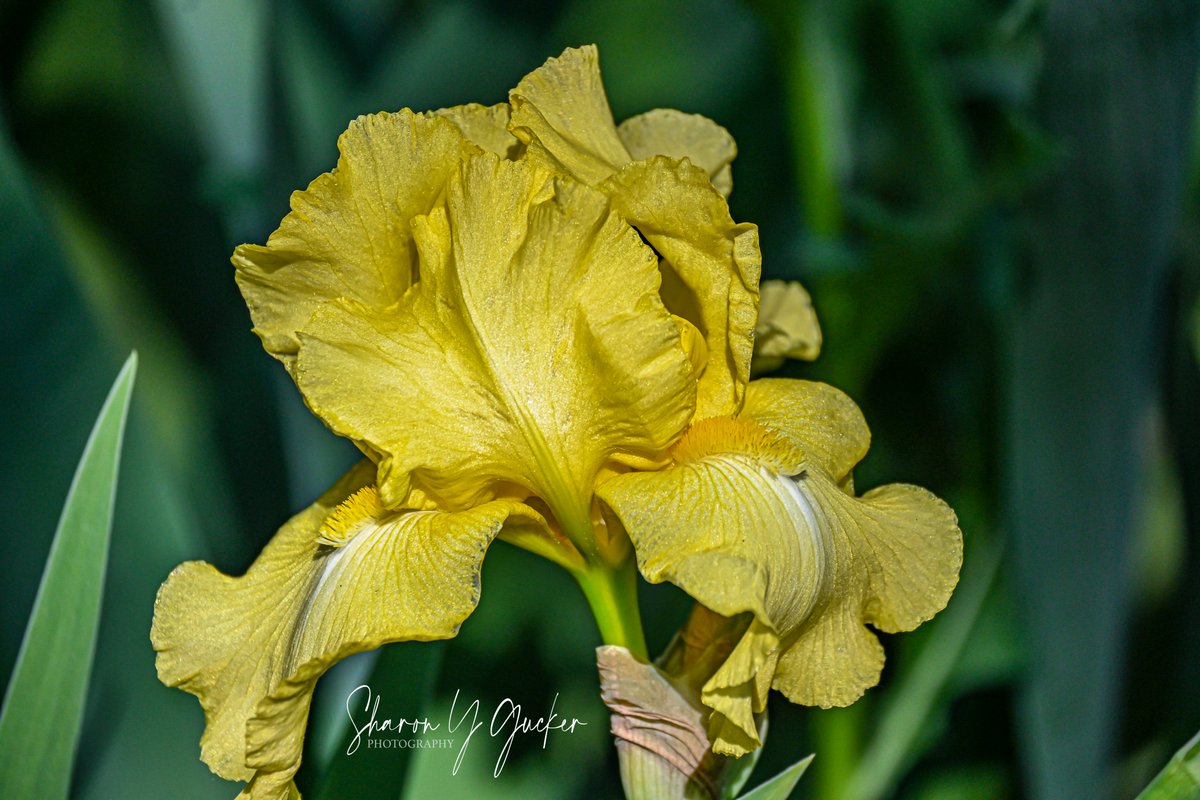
780, 787
1180, 778
43, 708
1082, 378
904, 721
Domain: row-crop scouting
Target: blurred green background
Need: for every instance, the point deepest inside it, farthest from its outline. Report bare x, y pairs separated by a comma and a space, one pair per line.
994, 204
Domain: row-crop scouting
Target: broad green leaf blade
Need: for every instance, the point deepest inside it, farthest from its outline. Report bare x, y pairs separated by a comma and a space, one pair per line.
1180, 778
1091, 303
43, 709
780, 787
220, 48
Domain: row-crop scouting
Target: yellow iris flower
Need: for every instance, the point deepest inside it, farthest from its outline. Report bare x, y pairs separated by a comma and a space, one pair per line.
538, 326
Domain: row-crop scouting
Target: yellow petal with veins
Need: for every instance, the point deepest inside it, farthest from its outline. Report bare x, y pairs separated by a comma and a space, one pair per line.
744, 523
562, 106
532, 351
710, 264
486, 126
667, 132
902, 551
823, 421
251, 648
723, 529
348, 235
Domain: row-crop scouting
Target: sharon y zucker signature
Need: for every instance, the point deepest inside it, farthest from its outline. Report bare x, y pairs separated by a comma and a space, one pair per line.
507, 721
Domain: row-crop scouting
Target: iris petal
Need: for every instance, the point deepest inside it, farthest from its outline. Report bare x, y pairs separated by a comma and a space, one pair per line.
533, 349
738, 538
485, 126
252, 648
740, 524
823, 421
562, 106
787, 326
668, 132
349, 235
710, 264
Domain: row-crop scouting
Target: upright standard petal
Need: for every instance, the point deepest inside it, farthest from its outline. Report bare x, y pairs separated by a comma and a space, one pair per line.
710, 265
751, 519
349, 235
562, 106
486, 126
668, 132
533, 349
342, 576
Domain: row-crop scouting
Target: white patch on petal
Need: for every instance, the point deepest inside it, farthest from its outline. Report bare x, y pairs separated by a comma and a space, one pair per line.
813, 541
336, 564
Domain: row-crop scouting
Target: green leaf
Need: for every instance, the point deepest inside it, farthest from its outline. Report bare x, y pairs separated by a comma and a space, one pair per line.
220, 49
1090, 311
43, 709
780, 787
1180, 778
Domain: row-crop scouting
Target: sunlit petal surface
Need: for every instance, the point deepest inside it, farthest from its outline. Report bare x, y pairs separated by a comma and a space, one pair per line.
751, 519
330, 583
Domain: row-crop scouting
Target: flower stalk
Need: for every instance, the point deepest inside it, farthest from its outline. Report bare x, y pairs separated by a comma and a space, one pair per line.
611, 593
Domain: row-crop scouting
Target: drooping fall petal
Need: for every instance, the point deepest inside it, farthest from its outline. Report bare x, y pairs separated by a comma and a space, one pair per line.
902, 553
342, 576
710, 264
751, 519
823, 421
533, 349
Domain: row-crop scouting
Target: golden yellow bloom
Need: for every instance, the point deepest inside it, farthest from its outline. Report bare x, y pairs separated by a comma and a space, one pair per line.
710, 265
252, 648
517, 312
757, 516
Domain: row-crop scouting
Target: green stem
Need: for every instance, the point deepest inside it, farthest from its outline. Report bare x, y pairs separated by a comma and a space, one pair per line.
838, 733
612, 594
